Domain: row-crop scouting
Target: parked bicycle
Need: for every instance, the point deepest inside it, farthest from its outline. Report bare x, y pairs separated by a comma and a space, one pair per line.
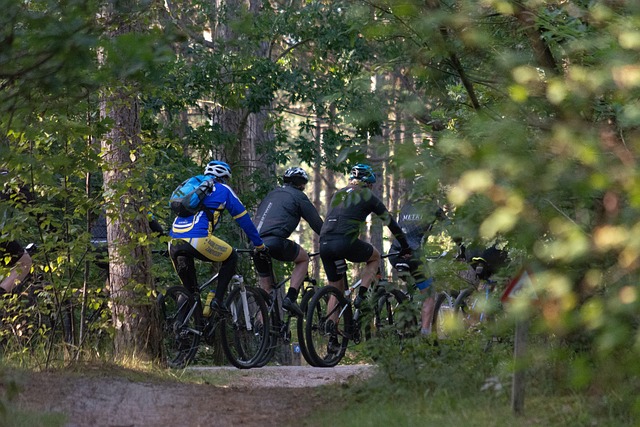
332, 321
280, 320
243, 327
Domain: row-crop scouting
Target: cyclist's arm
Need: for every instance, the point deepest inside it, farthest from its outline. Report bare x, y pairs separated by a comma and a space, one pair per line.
380, 209
310, 214
242, 217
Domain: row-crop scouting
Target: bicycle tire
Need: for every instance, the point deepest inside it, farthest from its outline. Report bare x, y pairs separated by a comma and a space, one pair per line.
274, 333
385, 316
466, 304
319, 330
181, 332
270, 349
244, 343
300, 322
443, 312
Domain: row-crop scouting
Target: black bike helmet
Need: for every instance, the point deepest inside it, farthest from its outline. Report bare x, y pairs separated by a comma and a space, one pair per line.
296, 176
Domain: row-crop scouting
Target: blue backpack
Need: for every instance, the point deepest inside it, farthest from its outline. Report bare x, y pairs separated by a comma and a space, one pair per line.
188, 198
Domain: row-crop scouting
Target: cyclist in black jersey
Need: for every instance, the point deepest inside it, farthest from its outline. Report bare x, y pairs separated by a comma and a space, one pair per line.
415, 224
278, 215
339, 238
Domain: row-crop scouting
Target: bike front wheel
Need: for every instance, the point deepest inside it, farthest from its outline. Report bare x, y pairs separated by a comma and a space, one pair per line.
387, 317
246, 328
329, 325
445, 317
181, 322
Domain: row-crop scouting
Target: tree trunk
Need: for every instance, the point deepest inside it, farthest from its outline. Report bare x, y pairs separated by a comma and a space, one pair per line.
133, 313
316, 195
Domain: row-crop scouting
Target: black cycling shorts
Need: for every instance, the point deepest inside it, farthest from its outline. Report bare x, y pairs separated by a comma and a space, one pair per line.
280, 249
332, 250
416, 268
11, 249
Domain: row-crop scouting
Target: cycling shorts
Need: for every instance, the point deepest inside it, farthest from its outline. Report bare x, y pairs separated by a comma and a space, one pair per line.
332, 250
208, 248
12, 250
416, 268
280, 249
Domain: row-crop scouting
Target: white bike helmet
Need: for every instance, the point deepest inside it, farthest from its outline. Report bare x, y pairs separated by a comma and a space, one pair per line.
219, 169
296, 176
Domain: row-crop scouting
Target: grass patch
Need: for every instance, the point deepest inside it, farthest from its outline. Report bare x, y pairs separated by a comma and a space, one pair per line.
459, 382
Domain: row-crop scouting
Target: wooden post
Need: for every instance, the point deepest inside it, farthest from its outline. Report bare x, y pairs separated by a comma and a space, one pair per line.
519, 356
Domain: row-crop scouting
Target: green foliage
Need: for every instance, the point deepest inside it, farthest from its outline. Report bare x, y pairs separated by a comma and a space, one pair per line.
458, 381
526, 130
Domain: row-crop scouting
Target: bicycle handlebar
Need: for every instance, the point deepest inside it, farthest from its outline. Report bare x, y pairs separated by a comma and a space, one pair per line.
249, 251
244, 251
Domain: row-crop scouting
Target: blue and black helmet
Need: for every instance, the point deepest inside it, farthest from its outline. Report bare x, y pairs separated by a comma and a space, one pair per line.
363, 173
219, 169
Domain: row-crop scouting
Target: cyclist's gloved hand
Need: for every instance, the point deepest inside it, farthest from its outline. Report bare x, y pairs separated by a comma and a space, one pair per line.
261, 251
405, 252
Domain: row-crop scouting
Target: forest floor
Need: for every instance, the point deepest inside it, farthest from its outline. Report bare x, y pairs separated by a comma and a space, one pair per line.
216, 396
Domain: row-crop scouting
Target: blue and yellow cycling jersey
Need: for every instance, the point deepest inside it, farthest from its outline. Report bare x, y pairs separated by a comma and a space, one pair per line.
222, 197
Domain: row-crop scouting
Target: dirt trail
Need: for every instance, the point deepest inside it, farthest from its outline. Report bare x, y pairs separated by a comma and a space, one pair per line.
269, 396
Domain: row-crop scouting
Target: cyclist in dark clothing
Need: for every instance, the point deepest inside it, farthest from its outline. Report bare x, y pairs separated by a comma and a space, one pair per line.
277, 217
14, 259
416, 224
339, 238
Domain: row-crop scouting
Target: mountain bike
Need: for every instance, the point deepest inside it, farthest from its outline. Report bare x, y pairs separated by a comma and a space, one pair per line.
460, 309
243, 327
280, 330
332, 320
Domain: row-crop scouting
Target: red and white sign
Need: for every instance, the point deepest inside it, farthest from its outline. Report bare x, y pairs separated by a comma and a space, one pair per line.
522, 283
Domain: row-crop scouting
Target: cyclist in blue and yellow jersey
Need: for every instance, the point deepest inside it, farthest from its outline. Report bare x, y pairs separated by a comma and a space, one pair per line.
339, 237
192, 237
277, 217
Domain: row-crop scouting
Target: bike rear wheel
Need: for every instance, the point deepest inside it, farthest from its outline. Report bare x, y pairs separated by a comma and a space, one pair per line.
246, 328
181, 322
274, 332
300, 322
329, 325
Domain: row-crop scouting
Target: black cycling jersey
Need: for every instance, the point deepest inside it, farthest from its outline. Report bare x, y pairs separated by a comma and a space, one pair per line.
415, 224
350, 207
280, 211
